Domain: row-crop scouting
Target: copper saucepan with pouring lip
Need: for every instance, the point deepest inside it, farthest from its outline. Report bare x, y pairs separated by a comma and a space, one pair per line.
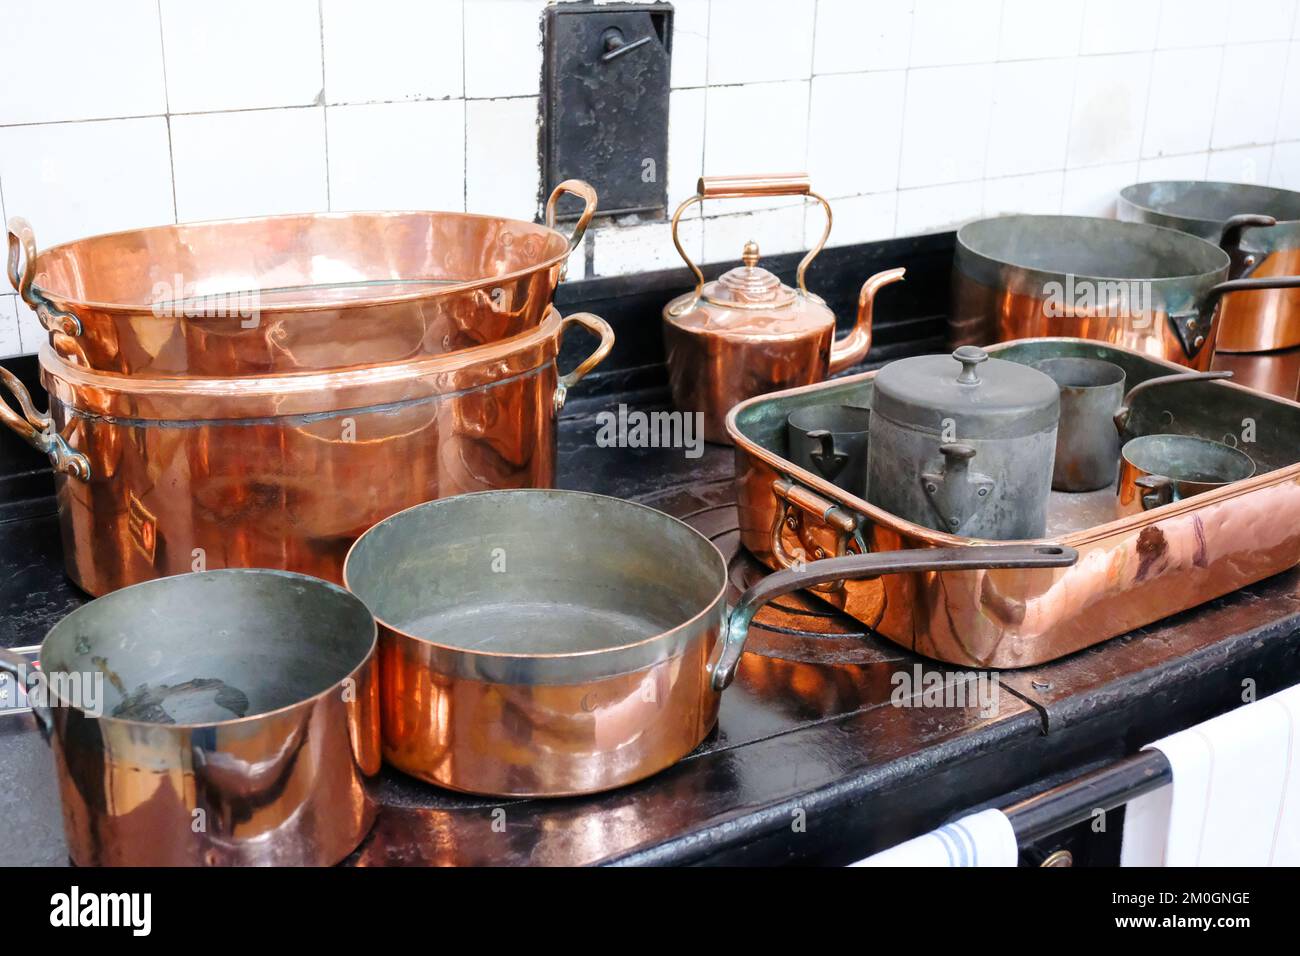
217, 718
296, 293
549, 643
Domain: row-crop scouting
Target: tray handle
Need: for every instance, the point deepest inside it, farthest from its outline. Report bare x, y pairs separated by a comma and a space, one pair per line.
794, 498
861, 567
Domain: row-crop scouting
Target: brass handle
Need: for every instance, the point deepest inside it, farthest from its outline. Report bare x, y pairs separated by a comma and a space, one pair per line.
861, 567
794, 496
37, 430
22, 246
742, 187
584, 191
597, 326
856, 343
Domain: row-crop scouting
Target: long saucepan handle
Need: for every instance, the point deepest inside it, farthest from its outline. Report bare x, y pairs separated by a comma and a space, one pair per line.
1125, 411
22, 273
19, 671
37, 430
872, 565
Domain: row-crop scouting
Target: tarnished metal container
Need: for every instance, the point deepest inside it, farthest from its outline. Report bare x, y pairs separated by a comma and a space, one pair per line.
1141, 287
1131, 571
292, 293
162, 476
964, 444
1258, 226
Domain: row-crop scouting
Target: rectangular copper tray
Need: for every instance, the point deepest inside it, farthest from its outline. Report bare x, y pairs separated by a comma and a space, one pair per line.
1131, 571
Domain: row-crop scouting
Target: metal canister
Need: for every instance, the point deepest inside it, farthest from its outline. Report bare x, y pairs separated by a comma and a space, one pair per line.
831, 441
964, 444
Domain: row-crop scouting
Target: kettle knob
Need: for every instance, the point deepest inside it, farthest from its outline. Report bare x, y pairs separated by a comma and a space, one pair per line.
749, 256
969, 356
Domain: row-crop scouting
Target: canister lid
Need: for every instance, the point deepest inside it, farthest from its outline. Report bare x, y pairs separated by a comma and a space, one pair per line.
982, 397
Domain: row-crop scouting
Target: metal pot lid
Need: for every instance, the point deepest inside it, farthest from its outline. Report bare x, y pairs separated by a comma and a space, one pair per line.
749, 285
967, 394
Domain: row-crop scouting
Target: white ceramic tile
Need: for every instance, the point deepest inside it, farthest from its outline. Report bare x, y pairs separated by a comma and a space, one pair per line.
754, 129
1262, 20
1250, 93
857, 219
384, 50
1190, 166
503, 47
241, 54
950, 32
946, 124
1194, 22
256, 163
645, 247
847, 156
685, 145
1119, 26
755, 41
938, 208
1247, 165
400, 156
1093, 191
501, 177
690, 62
1034, 30
72, 180
853, 36
11, 342
1110, 98
1030, 124
775, 230
1036, 193
1288, 124
1180, 105
1285, 169
30, 330
79, 59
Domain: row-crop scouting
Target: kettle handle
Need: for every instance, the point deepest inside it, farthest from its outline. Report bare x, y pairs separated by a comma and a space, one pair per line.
747, 187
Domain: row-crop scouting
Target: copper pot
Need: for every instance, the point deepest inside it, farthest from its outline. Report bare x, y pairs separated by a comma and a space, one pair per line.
162, 476
558, 642
1158, 469
174, 748
293, 293
746, 333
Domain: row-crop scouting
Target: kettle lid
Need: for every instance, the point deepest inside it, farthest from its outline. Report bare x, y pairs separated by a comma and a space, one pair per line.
749, 284
969, 393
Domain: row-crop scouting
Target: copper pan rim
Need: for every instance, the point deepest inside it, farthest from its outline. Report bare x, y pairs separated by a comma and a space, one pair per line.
63, 299
305, 702
498, 657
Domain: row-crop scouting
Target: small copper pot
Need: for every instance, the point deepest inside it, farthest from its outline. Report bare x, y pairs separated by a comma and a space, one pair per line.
746, 333
1156, 470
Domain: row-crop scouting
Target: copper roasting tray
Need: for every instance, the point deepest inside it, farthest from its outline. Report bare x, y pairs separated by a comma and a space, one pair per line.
1131, 571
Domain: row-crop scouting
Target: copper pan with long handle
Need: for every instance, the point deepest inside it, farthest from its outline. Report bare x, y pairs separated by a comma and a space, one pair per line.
545, 643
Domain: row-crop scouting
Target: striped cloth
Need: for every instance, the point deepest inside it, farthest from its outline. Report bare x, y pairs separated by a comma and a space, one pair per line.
981, 839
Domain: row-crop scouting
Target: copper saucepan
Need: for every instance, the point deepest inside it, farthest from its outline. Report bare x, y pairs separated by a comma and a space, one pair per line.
228, 717
293, 293
543, 643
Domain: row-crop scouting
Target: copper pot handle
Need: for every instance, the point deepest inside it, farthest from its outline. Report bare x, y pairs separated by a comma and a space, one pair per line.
18, 669
22, 247
743, 187
37, 430
1230, 242
855, 345
1125, 411
596, 326
584, 191
794, 496
861, 567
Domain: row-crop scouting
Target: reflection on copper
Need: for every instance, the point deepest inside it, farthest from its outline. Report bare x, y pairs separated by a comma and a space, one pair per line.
1265, 320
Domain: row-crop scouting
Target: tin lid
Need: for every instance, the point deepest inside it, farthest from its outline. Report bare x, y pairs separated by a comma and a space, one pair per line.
749, 284
981, 397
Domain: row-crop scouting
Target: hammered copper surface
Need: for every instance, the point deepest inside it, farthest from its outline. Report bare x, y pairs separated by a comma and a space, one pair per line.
1130, 572
287, 471
291, 293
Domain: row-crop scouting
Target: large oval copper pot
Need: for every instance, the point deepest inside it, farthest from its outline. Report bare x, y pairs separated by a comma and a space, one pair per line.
162, 476
1142, 287
293, 293
1258, 226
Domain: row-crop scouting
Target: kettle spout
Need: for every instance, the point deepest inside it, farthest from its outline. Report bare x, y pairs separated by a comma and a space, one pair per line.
853, 347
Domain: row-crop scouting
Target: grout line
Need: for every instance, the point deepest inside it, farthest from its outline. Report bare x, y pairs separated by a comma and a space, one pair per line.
167, 116
464, 124
325, 113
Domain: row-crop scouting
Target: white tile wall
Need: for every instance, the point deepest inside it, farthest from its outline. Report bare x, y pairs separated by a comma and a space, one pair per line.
910, 115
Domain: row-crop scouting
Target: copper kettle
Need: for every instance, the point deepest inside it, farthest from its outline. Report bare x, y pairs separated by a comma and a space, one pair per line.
746, 333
